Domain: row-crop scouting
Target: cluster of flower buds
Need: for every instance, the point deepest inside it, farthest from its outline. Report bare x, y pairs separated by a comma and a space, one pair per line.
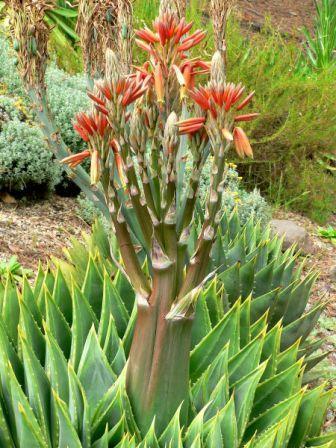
222, 102
95, 130
167, 46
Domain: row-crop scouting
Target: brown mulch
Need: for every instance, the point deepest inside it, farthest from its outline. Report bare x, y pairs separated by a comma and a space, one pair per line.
33, 231
288, 15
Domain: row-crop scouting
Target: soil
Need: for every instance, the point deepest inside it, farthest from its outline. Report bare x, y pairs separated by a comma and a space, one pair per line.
33, 231
290, 16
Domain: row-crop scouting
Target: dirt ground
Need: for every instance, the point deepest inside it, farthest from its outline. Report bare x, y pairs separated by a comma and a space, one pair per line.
33, 231
289, 15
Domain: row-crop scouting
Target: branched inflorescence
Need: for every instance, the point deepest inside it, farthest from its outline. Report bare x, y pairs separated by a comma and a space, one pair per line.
137, 138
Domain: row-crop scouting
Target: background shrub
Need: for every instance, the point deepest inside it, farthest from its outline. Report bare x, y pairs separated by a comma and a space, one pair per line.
26, 164
10, 81
297, 126
66, 97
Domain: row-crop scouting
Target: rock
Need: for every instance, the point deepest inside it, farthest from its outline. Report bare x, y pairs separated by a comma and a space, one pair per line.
293, 234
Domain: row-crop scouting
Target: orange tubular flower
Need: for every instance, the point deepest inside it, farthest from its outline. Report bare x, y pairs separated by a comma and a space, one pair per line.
127, 90
191, 41
242, 143
147, 35
158, 82
118, 160
76, 159
188, 70
190, 125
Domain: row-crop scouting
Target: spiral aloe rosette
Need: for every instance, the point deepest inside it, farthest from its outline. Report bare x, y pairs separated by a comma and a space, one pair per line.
249, 263
62, 369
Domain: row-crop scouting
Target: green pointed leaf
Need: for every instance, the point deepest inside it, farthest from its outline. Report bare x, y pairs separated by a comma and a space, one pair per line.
150, 439
324, 441
93, 287
79, 409
305, 416
67, 436
125, 290
246, 360
57, 325
247, 278
201, 324
276, 389
172, 435
56, 367
263, 280
275, 415
270, 350
258, 326
6, 439
231, 281
260, 305
32, 332
215, 439
83, 319
245, 316
109, 411
62, 296
37, 387
27, 429
112, 304
299, 296
203, 388
243, 392
195, 428
207, 350
29, 299
320, 410
11, 310
301, 327
128, 336
288, 357
280, 305
94, 371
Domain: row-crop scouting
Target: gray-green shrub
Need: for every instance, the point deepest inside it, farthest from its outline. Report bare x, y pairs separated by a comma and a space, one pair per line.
25, 161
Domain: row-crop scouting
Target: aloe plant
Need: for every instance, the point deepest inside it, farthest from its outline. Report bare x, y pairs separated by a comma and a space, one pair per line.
207, 356
63, 367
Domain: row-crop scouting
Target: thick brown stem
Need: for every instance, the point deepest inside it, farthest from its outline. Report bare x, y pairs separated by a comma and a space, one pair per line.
158, 368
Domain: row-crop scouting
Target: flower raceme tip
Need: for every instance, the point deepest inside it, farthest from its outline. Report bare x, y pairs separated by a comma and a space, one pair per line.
223, 102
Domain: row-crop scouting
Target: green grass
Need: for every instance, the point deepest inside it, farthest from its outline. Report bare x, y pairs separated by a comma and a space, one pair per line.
328, 233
